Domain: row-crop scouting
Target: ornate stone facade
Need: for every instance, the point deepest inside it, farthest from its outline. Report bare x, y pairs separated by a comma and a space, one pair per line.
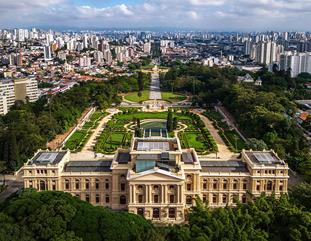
158, 179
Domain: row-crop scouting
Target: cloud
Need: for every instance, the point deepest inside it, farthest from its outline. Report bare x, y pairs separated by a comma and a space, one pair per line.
206, 14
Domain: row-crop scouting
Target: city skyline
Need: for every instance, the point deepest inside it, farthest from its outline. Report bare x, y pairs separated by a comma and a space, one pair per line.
209, 15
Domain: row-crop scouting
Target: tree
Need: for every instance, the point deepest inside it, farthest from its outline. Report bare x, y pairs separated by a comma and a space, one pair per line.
140, 81
169, 121
301, 195
257, 145
175, 123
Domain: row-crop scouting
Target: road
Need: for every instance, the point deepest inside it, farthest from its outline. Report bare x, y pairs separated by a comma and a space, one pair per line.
155, 92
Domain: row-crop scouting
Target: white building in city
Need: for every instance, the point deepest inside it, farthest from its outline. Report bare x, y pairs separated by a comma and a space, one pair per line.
296, 62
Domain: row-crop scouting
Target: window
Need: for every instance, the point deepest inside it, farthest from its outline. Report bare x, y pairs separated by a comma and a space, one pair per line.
258, 186
224, 198
156, 187
122, 199
96, 184
244, 185
45, 171
189, 200
281, 186
204, 184
156, 213
204, 199
30, 184
30, 172
140, 211
235, 198
172, 198
140, 187
244, 198
77, 184
156, 198
67, 184
140, 198
172, 213
53, 185
269, 185
42, 185
107, 199
214, 198
97, 198
235, 184
189, 178
107, 185
87, 197
224, 184
188, 186
215, 184
87, 184
172, 187
122, 187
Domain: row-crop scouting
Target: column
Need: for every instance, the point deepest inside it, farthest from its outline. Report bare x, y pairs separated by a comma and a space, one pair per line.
134, 193
179, 193
165, 194
162, 194
149, 194
131, 193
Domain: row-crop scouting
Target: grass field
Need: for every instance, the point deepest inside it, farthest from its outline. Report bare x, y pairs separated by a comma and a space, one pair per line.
172, 97
133, 96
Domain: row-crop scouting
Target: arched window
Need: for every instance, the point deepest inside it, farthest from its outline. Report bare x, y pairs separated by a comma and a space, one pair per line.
107, 199
67, 184
96, 183
42, 185
214, 198
122, 199
215, 184
87, 184
53, 185
244, 184
225, 184
155, 213
77, 184
156, 187
189, 200
244, 198
235, 184
140, 211
172, 213
189, 178
224, 198
140, 187
204, 184
269, 185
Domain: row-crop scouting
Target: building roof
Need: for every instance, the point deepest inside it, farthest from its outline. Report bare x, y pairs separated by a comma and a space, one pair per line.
88, 166
187, 157
223, 166
267, 158
123, 157
47, 157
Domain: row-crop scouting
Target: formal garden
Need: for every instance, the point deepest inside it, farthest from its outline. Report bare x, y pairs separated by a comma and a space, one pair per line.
78, 139
119, 131
229, 135
136, 97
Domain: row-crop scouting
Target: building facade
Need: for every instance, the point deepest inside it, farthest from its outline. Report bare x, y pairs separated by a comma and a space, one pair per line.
157, 179
12, 90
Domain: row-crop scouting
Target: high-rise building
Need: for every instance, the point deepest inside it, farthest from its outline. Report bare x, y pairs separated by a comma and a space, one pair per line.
296, 63
3, 104
18, 89
267, 52
85, 61
147, 48
47, 53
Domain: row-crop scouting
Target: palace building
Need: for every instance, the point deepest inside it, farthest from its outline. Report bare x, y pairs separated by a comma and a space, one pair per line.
158, 179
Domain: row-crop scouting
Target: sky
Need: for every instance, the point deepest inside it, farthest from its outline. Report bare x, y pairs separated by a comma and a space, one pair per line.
209, 15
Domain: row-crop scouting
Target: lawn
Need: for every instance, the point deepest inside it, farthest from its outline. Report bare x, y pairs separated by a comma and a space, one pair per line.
172, 97
108, 143
76, 139
133, 96
141, 115
195, 140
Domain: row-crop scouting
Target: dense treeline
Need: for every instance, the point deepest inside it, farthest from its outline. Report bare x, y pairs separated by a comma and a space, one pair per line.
136, 82
262, 112
266, 218
28, 127
58, 216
